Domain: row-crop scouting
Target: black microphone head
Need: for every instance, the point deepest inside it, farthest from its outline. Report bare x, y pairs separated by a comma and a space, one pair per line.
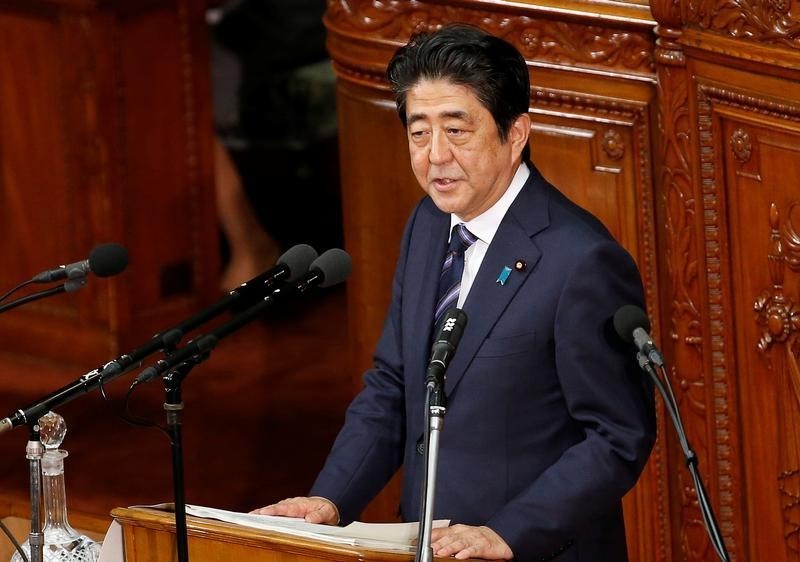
453, 324
106, 260
335, 266
627, 318
298, 259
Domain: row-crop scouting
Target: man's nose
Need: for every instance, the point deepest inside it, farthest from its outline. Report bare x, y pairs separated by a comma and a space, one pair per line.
440, 149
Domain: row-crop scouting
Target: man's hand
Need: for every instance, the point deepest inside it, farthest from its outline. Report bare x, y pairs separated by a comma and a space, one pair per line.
464, 541
313, 510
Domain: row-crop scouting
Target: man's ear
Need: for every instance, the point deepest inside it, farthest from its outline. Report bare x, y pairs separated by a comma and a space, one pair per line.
518, 134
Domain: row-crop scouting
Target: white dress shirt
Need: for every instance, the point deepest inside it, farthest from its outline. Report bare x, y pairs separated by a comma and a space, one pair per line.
484, 227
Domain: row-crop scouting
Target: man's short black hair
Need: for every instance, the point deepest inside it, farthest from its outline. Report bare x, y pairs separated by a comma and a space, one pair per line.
461, 54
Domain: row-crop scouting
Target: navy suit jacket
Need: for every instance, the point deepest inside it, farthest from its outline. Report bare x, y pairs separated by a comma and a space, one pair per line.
549, 420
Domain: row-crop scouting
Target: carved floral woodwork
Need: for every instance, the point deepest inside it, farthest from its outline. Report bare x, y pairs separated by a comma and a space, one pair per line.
585, 45
762, 21
681, 253
778, 314
723, 450
539, 39
741, 145
613, 144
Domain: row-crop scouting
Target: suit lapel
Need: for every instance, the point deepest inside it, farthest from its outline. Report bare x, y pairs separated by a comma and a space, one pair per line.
487, 298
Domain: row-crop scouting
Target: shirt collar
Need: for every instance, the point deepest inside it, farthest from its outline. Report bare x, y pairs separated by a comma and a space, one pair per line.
485, 225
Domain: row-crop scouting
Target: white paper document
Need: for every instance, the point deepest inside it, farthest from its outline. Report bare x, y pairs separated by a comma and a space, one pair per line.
386, 536
112, 549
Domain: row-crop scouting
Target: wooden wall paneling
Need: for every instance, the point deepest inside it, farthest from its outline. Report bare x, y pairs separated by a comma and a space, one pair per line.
703, 372
756, 139
765, 267
732, 52
677, 258
686, 293
166, 172
44, 217
584, 121
380, 190
105, 135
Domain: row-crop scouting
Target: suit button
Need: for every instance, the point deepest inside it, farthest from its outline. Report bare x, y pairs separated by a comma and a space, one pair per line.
420, 448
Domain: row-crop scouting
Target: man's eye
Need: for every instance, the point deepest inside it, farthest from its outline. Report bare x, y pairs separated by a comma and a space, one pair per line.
454, 131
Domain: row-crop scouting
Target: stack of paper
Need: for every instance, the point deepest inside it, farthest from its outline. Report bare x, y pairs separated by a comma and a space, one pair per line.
385, 536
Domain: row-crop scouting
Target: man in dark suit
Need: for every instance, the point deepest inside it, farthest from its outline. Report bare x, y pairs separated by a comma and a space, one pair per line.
549, 422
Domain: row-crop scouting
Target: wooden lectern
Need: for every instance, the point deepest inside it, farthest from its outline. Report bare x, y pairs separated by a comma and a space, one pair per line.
149, 536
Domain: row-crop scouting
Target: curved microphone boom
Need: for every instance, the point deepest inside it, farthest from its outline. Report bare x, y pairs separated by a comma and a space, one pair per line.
632, 325
104, 260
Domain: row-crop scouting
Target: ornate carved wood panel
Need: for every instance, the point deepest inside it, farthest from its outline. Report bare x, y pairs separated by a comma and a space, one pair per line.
758, 21
598, 152
730, 134
756, 140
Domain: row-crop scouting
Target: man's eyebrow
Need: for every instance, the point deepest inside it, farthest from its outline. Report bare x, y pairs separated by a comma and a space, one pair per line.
462, 115
457, 114
414, 117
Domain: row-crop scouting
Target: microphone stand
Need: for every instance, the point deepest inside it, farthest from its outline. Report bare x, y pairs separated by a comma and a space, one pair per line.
434, 418
177, 367
34, 452
173, 406
706, 510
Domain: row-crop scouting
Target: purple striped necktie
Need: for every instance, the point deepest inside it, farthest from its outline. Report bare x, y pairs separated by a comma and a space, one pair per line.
452, 270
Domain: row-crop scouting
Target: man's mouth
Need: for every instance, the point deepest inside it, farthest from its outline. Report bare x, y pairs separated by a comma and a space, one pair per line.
444, 183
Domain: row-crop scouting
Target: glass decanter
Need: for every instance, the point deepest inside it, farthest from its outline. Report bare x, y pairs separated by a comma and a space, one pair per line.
62, 543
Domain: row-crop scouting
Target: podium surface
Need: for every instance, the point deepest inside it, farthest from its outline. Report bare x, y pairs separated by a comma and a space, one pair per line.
149, 536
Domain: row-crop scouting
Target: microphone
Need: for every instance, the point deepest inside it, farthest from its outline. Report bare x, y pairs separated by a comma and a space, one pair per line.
294, 263
331, 268
445, 346
104, 260
291, 266
632, 326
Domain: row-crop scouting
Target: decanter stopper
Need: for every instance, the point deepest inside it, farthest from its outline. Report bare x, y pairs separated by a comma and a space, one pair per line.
52, 430
62, 543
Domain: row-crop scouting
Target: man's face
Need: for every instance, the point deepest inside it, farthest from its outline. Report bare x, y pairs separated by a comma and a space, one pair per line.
456, 151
